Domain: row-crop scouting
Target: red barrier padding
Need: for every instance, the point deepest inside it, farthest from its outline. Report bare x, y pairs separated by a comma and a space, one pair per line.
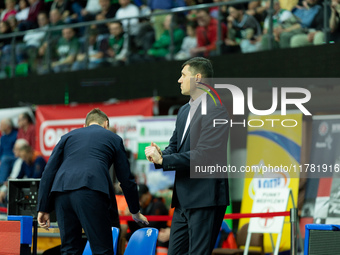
227, 216
3, 209
9, 237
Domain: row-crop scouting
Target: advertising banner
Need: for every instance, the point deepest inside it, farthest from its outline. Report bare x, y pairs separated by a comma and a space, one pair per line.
158, 130
322, 196
54, 121
273, 159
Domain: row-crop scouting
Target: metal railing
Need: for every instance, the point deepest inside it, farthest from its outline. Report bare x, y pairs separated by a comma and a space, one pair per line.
219, 41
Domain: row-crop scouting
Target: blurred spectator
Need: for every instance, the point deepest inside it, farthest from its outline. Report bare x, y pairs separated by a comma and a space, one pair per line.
126, 10
313, 35
308, 16
280, 19
67, 49
149, 205
51, 42
108, 11
55, 20
5, 28
143, 6
206, 34
191, 15
158, 6
160, 48
118, 44
36, 6
189, 42
5, 45
243, 30
16, 169
9, 11
23, 11
142, 41
334, 21
26, 129
252, 7
13, 23
32, 40
213, 11
7, 140
259, 9
90, 13
64, 7
164, 233
91, 9
96, 52
33, 165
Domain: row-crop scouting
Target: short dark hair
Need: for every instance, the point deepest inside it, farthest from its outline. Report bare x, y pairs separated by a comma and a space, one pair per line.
200, 65
93, 32
192, 24
43, 13
239, 7
206, 10
142, 189
96, 115
116, 22
27, 117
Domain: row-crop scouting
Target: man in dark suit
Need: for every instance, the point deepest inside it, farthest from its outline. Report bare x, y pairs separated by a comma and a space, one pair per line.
200, 199
76, 182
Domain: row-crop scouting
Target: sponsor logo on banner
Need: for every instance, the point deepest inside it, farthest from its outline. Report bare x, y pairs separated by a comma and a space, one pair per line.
323, 128
279, 180
51, 131
323, 131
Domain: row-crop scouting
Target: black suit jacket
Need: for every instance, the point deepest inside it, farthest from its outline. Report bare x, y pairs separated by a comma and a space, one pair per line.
202, 144
82, 158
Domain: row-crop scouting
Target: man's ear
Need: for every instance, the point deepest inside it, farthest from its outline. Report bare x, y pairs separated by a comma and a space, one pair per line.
106, 124
198, 77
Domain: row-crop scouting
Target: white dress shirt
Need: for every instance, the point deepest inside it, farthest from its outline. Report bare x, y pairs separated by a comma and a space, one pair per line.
193, 107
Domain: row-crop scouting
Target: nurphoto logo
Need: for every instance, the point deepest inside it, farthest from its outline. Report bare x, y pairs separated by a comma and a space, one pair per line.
279, 98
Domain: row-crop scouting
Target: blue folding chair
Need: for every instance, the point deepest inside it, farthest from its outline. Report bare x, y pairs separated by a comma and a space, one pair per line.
142, 242
115, 237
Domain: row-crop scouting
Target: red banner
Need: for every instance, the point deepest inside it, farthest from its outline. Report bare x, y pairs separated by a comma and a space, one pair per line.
54, 121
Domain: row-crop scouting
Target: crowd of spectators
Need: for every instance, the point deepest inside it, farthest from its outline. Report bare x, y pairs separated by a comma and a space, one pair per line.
18, 158
245, 29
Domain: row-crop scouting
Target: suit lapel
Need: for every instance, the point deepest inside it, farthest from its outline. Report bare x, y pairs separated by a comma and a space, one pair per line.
185, 137
182, 119
193, 118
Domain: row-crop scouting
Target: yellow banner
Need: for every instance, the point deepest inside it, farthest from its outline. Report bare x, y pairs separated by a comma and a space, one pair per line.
273, 144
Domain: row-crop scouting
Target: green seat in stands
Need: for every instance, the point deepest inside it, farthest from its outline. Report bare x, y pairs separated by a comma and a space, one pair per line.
8, 71
21, 70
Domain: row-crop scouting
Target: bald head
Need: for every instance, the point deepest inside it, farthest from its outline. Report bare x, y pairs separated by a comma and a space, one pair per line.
18, 145
6, 126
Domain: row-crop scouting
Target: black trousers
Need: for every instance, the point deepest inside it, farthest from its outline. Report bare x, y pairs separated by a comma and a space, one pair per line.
87, 209
194, 231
